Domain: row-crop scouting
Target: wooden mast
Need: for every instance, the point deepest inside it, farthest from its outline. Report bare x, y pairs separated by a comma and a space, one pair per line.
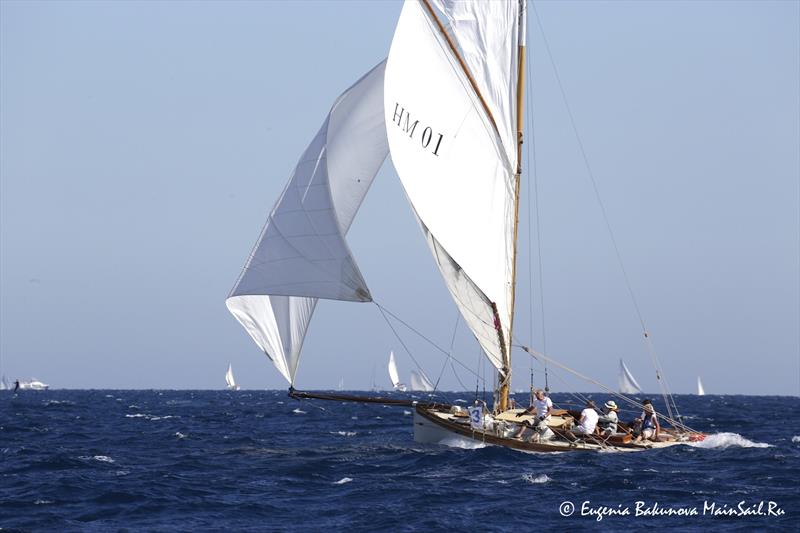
505, 373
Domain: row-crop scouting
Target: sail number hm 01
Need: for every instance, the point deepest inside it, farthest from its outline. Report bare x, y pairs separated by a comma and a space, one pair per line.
428, 139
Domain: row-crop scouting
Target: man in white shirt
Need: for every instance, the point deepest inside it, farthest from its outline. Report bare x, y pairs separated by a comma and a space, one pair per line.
543, 407
588, 421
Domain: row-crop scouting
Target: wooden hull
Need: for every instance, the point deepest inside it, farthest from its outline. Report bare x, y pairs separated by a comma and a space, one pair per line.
435, 425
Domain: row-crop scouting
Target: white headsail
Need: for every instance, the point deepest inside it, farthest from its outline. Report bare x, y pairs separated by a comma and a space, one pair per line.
627, 384
394, 376
453, 143
420, 382
302, 254
700, 390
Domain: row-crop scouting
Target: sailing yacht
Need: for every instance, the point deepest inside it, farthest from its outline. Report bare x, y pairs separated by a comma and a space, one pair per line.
229, 381
627, 383
394, 375
447, 104
700, 390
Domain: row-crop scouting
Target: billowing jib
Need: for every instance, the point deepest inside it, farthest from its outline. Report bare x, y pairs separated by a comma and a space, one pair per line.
428, 139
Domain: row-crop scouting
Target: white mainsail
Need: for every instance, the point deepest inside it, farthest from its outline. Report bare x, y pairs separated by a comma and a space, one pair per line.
700, 390
302, 254
394, 376
453, 143
420, 382
627, 383
229, 379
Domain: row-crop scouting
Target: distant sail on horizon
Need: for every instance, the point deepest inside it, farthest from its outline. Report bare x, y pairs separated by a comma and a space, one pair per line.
229, 379
700, 390
627, 383
420, 382
394, 376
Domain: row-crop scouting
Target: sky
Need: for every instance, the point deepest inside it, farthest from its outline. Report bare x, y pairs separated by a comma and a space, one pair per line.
142, 145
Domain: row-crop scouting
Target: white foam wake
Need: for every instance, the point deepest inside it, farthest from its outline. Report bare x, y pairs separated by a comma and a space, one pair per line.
464, 444
541, 478
728, 440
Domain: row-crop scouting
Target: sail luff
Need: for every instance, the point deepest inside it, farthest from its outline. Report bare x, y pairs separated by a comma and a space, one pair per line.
461, 62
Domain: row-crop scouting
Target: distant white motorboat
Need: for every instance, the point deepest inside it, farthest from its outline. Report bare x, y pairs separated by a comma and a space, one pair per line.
394, 376
229, 379
700, 390
420, 382
33, 384
627, 383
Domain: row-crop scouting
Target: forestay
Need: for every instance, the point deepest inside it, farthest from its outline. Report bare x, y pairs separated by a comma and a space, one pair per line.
302, 254
456, 154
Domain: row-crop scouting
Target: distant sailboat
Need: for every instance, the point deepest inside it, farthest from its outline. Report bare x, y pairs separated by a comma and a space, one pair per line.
627, 383
420, 382
700, 390
229, 379
394, 376
4, 384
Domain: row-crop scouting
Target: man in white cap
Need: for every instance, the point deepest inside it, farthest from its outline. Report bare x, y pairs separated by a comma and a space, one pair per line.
608, 421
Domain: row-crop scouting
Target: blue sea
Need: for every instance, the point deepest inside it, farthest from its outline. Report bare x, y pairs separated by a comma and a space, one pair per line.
109, 460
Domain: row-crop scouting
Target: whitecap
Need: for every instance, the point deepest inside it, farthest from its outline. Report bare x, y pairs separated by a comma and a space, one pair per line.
796, 438
343, 433
463, 443
728, 440
461, 401
103, 458
298, 411
353, 418
406, 412
42, 502
378, 418
343, 481
180, 435
541, 478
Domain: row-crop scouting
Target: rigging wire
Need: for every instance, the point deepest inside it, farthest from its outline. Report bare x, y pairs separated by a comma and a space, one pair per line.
537, 355
668, 398
450, 353
385, 312
534, 194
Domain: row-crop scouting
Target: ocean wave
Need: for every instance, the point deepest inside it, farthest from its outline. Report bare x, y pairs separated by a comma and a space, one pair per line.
180, 435
343, 481
796, 438
728, 440
537, 479
101, 458
150, 417
344, 433
298, 411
